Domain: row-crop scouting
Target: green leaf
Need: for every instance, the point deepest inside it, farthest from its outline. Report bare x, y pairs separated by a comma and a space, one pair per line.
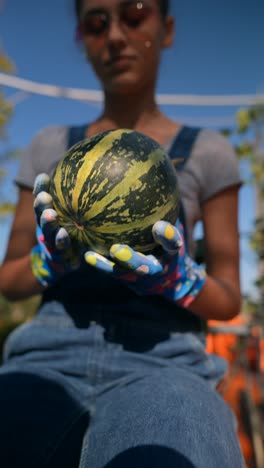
6, 209
243, 120
244, 149
226, 132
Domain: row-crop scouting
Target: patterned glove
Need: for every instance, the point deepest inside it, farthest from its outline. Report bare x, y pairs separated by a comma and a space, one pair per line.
53, 256
175, 275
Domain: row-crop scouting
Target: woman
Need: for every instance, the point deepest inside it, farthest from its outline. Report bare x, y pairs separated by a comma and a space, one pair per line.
105, 375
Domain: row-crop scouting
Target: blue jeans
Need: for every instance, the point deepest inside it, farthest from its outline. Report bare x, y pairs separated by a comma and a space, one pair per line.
111, 393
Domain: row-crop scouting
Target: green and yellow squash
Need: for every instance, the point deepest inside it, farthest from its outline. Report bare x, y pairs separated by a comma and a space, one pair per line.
111, 188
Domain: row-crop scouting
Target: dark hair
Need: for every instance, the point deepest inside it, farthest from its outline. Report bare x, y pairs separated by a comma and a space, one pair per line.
163, 5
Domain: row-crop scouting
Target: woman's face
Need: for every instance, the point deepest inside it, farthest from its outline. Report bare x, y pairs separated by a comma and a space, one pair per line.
123, 40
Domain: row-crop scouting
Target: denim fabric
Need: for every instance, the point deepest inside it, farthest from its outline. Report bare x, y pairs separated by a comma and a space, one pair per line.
114, 392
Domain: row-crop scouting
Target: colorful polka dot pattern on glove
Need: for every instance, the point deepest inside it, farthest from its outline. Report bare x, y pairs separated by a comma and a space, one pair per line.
175, 275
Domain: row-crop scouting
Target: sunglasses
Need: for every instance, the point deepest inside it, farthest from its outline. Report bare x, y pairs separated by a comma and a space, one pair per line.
96, 22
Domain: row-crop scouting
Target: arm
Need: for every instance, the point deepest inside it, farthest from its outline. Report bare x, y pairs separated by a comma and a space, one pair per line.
16, 278
220, 297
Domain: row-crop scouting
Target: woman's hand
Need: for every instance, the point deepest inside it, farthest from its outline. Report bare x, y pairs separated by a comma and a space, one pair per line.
174, 275
53, 256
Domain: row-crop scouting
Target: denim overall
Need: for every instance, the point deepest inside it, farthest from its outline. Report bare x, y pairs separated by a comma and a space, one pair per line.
103, 378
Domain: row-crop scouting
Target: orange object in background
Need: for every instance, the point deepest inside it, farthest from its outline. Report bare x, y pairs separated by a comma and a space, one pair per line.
261, 355
223, 344
229, 346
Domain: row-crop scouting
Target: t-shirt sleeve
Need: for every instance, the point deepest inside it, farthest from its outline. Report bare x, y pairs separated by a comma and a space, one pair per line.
41, 155
214, 164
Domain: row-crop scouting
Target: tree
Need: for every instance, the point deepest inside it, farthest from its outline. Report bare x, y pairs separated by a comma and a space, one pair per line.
6, 65
11, 315
248, 138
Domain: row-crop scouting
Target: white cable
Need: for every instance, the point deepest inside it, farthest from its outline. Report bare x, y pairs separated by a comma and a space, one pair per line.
96, 96
205, 121
49, 90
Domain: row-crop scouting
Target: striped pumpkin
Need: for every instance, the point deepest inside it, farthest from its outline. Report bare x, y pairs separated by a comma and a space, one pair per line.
112, 188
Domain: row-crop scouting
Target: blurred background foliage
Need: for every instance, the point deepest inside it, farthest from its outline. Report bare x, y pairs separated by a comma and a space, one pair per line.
247, 136
6, 110
11, 314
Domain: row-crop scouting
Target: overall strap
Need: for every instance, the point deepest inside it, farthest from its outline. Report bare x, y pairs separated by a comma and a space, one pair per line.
180, 152
181, 147
76, 134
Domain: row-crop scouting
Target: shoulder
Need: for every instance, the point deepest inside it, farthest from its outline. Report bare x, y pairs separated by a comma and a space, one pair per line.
214, 150
214, 163
47, 147
211, 142
51, 136
42, 154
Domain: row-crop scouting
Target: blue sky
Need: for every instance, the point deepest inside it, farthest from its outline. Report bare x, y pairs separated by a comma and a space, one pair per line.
218, 49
